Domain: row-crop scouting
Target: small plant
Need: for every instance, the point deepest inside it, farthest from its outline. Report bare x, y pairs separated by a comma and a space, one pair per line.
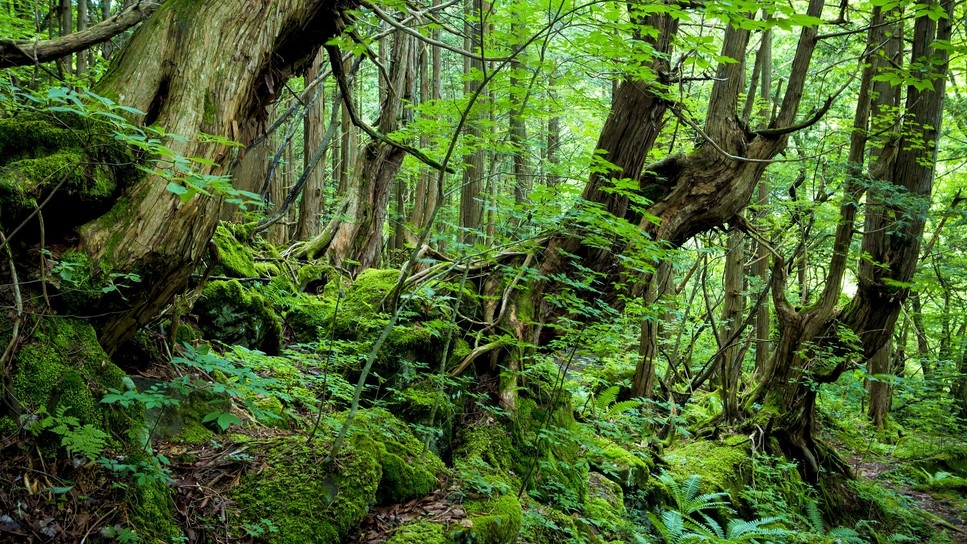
260, 528
933, 479
691, 521
84, 440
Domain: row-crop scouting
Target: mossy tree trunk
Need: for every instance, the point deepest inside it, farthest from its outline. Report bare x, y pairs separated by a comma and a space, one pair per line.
816, 344
187, 79
689, 193
356, 232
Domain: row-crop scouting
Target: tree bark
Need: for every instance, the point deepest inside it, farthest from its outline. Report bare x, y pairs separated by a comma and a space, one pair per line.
472, 190
314, 128
359, 238
188, 79
816, 344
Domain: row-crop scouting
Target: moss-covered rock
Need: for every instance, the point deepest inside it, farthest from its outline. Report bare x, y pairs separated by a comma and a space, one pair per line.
408, 473
493, 521
420, 532
604, 507
306, 501
547, 435
61, 366
381, 462
231, 314
617, 463
546, 525
722, 466
234, 259
313, 278
77, 156
152, 513
310, 318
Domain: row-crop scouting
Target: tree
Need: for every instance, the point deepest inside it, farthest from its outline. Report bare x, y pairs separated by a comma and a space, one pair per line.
170, 71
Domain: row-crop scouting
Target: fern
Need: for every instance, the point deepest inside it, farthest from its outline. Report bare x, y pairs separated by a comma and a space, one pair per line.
686, 497
815, 517
845, 535
750, 531
605, 398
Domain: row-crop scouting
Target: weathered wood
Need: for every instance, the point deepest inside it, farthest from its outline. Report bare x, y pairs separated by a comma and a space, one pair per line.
27, 52
190, 79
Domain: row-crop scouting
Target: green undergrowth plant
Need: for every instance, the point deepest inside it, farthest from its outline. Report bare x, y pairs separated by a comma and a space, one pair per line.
696, 517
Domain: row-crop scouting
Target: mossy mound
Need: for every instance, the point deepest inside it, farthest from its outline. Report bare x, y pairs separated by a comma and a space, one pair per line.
307, 501
617, 463
313, 278
233, 315
380, 462
309, 318
486, 451
408, 473
493, 521
604, 507
722, 466
416, 404
420, 532
83, 160
546, 525
61, 366
549, 452
234, 259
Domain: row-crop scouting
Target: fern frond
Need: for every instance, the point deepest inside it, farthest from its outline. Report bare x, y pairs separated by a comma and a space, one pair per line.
621, 407
605, 398
815, 517
846, 535
743, 531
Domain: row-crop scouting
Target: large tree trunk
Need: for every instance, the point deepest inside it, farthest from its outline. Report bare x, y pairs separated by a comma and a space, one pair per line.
356, 232
816, 344
188, 79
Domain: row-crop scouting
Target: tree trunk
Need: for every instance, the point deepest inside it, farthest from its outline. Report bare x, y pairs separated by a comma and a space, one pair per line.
81, 27
360, 237
816, 343
189, 79
314, 128
729, 367
472, 190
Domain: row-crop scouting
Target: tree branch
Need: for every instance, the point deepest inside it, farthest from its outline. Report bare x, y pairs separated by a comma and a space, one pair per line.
335, 61
27, 52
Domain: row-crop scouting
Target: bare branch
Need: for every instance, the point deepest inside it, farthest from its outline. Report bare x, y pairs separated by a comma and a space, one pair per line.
27, 52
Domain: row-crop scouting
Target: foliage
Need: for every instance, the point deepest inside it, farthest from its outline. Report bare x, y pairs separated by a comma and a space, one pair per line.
691, 519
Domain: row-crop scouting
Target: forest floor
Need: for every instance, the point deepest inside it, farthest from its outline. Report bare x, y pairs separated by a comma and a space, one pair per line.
947, 508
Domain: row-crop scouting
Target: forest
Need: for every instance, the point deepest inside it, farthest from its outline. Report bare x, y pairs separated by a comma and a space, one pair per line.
483, 271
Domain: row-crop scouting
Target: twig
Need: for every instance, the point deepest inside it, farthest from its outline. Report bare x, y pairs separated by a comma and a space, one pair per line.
7, 355
334, 57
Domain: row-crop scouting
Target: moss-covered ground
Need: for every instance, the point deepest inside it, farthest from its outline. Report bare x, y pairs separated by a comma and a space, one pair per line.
233, 442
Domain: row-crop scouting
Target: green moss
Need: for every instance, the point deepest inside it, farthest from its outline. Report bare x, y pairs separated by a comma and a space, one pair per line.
604, 507
62, 365
560, 475
546, 525
268, 269
153, 513
362, 309
494, 521
8, 426
79, 157
310, 318
408, 473
209, 116
307, 501
313, 277
234, 259
722, 466
614, 461
231, 314
420, 532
